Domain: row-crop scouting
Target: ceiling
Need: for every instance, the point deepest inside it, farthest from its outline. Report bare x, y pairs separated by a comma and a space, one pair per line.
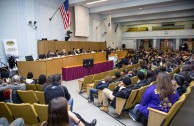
130, 12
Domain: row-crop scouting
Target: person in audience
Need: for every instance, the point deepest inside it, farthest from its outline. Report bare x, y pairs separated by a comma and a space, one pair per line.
16, 85
117, 77
16, 122
100, 86
142, 81
123, 90
42, 79
50, 54
5, 77
124, 61
149, 77
184, 71
143, 68
125, 73
58, 115
48, 82
57, 90
56, 53
29, 79
133, 72
160, 96
63, 53
179, 85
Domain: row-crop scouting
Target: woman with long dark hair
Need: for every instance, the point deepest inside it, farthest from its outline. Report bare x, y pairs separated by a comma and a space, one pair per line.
58, 115
160, 96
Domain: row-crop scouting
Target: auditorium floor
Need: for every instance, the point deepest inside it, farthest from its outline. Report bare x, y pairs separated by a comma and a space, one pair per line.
90, 111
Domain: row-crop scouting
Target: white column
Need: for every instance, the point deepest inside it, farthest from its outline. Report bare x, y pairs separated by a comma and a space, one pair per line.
154, 43
177, 43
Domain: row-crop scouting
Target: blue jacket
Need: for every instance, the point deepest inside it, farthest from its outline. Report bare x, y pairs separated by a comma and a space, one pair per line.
101, 85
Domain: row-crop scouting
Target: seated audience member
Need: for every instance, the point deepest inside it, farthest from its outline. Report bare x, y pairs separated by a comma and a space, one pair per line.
142, 81
57, 90
124, 61
125, 73
123, 90
149, 77
5, 77
16, 85
42, 79
56, 53
58, 115
168, 69
50, 54
100, 86
133, 72
48, 82
143, 68
117, 77
184, 71
29, 79
160, 96
63, 53
180, 84
16, 122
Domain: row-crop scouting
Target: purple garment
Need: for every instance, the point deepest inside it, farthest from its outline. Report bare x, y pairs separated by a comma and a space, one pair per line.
151, 99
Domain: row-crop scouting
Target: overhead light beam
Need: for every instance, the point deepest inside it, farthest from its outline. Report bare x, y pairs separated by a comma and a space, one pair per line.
95, 2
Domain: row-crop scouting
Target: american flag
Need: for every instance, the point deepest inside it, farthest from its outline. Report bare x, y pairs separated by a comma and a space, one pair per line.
65, 13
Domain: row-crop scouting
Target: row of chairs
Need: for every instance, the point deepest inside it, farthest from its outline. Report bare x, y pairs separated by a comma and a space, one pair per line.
33, 114
92, 78
34, 87
158, 118
31, 97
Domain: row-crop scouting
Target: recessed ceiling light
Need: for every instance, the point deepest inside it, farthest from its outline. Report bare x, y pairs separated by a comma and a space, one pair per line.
96, 2
140, 8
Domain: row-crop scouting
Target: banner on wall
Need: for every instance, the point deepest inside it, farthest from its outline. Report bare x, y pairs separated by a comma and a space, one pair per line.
11, 48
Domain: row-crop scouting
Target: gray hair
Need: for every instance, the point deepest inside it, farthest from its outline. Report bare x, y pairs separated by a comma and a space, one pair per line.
16, 78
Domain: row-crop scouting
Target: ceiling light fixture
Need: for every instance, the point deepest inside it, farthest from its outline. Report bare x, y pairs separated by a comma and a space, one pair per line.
140, 8
96, 2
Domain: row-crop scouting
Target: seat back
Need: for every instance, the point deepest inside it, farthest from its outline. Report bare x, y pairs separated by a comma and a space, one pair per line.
112, 86
39, 87
112, 72
95, 83
42, 111
25, 111
96, 77
40, 96
120, 70
173, 111
130, 101
140, 94
104, 74
5, 112
87, 80
31, 87
27, 96
134, 80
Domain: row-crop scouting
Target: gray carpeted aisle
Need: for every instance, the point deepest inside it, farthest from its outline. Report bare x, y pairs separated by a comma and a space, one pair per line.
89, 111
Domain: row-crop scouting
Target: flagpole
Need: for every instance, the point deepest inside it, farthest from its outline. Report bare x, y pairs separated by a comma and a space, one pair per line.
53, 14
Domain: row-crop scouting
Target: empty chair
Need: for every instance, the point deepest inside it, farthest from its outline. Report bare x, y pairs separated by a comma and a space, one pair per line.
40, 97
122, 103
27, 96
104, 74
96, 77
25, 111
5, 112
112, 72
134, 80
83, 83
31, 87
42, 111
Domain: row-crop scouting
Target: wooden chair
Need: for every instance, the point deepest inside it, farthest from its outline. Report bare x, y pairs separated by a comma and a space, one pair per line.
140, 94
104, 74
112, 72
96, 77
122, 103
39, 87
5, 112
31, 87
40, 97
120, 70
159, 118
134, 80
112, 86
25, 111
27, 96
42, 111
83, 83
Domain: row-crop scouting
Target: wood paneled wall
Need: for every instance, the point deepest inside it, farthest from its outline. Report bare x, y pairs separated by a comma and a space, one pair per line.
45, 46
